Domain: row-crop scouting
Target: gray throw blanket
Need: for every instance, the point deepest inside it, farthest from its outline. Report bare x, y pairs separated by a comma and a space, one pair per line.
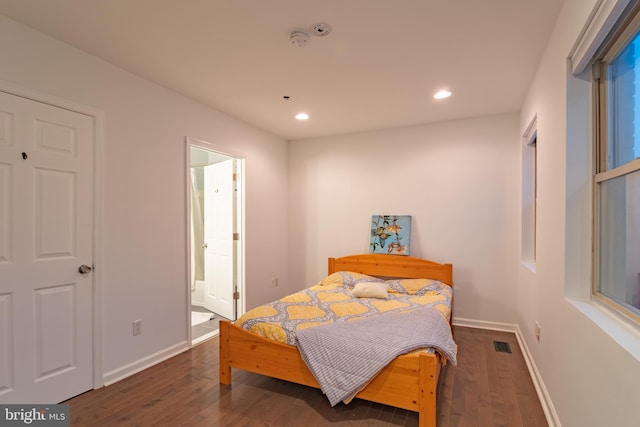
345, 356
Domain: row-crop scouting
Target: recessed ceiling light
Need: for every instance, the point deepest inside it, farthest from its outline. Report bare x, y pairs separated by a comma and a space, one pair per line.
302, 116
441, 94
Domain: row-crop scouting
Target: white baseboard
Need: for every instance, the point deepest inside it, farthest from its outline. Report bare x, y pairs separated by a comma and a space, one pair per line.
481, 324
144, 363
543, 395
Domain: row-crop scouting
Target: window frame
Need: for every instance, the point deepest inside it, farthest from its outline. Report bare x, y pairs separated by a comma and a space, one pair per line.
622, 34
529, 209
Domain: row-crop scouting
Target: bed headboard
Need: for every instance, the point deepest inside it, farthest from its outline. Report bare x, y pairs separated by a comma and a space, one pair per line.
399, 266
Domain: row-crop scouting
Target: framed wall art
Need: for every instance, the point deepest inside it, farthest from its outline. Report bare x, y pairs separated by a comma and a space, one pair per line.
390, 234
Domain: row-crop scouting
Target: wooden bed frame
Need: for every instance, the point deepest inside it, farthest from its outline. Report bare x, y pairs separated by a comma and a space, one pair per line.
408, 382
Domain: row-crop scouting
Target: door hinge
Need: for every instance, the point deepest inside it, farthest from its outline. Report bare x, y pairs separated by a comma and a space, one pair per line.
235, 176
236, 295
236, 236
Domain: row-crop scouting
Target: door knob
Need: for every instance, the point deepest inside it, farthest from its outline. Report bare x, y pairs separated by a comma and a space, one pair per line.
205, 246
84, 269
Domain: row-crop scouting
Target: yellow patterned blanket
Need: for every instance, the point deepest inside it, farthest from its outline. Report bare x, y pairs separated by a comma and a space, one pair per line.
333, 300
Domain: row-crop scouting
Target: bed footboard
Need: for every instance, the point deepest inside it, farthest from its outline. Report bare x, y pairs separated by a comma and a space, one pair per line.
408, 382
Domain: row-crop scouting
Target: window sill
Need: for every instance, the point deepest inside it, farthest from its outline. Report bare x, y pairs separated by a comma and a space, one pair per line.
618, 328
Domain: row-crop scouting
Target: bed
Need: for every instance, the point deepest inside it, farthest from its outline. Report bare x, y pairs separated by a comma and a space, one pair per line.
410, 381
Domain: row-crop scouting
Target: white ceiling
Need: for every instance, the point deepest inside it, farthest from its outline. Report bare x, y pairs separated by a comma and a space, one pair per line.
377, 69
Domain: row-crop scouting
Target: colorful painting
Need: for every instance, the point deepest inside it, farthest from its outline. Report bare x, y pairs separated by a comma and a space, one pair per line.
390, 234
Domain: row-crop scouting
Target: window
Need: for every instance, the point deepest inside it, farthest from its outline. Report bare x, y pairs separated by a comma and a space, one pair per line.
617, 168
529, 193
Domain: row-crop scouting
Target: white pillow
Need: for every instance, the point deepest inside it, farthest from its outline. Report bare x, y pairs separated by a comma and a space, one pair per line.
370, 290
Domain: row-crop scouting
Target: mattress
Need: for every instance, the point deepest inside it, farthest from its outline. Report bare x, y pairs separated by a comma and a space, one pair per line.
335, 299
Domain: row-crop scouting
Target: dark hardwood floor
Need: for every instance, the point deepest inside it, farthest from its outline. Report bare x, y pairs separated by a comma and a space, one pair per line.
486, 388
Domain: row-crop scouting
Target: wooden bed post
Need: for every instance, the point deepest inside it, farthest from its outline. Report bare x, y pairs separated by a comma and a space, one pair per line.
428, 390
332, 266
225, 367
448, 273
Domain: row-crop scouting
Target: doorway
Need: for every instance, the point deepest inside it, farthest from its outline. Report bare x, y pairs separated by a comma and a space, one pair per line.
215, 221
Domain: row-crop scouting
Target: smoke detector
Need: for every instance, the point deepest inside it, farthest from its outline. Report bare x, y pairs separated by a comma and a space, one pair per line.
321, 29
299, 38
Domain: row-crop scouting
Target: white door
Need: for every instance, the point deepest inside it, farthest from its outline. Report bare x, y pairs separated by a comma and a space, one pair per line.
219, 215
46, 226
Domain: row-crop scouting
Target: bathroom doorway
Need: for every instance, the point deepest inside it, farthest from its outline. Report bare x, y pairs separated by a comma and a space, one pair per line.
215, 222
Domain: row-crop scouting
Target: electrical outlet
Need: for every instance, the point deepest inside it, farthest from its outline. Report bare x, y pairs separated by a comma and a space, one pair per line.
538, 331
137, 327
274, 282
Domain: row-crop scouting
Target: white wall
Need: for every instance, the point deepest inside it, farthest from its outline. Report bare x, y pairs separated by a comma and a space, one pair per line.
458, 181
143, 265
591, 379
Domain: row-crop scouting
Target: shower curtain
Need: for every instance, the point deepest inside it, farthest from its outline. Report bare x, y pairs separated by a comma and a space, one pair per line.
197, 230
